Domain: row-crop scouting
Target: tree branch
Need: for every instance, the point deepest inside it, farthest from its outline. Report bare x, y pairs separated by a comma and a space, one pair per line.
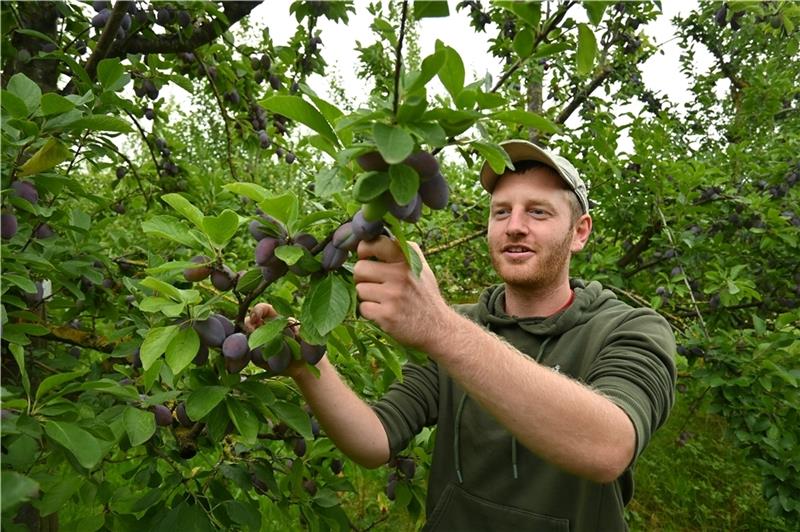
173, 43
225, 117
455, 243
640, 246
540, 38
107, 38
398, 57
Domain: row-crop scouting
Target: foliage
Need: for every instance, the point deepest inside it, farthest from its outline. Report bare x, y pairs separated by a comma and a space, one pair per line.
109, 193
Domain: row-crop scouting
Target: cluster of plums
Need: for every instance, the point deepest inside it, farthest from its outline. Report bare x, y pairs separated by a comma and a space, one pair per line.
404, 468
8, 220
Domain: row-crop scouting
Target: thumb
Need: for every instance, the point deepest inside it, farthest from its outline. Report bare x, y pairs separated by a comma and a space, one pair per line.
383, 248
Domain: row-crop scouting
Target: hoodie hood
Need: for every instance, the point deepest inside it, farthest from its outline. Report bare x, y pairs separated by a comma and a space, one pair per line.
589, 298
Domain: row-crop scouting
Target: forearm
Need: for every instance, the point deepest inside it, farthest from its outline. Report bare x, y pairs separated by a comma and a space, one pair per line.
348, 421
558, 418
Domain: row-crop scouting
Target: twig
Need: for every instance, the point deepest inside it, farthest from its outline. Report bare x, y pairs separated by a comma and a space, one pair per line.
562, 10
144, 137
398, 58
455, 243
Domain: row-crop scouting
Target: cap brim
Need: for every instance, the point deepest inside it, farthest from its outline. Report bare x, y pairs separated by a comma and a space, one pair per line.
517, 150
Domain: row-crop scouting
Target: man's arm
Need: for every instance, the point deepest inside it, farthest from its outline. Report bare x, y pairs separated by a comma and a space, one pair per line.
348, 421
557, 418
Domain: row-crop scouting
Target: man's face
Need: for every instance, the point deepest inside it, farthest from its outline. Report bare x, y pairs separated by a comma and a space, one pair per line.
531, 235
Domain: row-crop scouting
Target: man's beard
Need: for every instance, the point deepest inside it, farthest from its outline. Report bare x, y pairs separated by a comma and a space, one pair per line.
545, 273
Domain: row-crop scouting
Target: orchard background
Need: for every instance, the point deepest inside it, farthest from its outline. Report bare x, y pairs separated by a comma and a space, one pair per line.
122, 409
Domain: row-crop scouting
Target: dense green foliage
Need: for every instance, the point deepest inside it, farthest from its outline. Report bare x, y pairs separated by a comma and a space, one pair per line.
128, 405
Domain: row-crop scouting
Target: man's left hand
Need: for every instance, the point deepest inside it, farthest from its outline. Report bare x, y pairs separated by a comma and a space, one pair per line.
409, 308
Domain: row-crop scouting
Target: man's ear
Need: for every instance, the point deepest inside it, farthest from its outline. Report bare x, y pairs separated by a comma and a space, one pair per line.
581, 232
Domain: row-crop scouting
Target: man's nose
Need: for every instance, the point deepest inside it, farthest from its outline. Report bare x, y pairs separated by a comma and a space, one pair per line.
517, 223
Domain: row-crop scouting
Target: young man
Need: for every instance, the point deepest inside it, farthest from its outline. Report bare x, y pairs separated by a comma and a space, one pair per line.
544, 392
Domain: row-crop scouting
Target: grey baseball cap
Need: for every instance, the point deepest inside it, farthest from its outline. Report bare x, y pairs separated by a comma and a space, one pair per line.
522, 150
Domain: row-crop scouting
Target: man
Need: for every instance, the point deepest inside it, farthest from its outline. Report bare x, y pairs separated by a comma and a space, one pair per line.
544, 392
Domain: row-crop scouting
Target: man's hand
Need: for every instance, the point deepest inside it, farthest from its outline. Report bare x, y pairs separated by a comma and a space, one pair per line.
409, 308
262, 313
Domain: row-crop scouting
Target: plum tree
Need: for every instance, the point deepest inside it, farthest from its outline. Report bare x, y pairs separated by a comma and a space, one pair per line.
265, 250
372, 161
235, 346
223, 278
344, 238
364, 229
435, 192
162, 414
8, 225
311, 353
424, 163
332, 257
25, 190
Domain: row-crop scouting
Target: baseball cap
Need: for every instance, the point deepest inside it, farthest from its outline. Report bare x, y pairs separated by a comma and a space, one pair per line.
522, 150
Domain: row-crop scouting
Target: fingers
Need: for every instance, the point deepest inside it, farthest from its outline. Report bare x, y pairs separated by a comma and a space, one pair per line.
258, 315
382, 248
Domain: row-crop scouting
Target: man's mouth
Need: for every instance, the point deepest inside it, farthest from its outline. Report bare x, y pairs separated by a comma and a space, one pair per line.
517, 251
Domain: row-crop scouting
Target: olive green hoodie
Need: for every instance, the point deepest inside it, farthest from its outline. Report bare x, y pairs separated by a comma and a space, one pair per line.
481, 478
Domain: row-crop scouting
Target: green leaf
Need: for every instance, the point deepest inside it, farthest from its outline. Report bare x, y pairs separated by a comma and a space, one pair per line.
284, 207
16, 488
56, 380
530, 12
328, 182
52, 153
139, 424
203, 400
110, 73
430, 9
295, 108
595, 11
19, 355
294, 416
244, 418
26, 90
56, 495
162, 288
13, 104
452, 72
255, 192
76, 440
248, 515
155, 344
185, 208
26, 284
182, 350
100, 123
496, 156
429, 68
267, 332
394, 143
523, 42
289, 254
429, 133
370, 185
526, 118
328, 303
221, 228
54, 104
404, 184
587, 49
168, 227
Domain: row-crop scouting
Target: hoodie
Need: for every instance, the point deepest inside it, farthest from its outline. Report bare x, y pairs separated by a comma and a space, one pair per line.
480, 478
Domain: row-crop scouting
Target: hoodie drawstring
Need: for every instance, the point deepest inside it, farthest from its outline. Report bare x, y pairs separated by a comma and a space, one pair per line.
457, 434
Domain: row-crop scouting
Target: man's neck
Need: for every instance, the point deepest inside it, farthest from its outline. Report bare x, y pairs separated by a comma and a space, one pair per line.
537, 302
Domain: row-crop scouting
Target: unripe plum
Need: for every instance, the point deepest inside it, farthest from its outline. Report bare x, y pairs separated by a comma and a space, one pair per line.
406, 466
34, 298
311, 353
43, 231
275, 82
344, 238
265, 250
210, 332
424, 163
332, 257
299, 447
8, 225
199, 273
223, 279
310, 486
162, 414
121, 171
336, 466
435, 192
26, 191
364, 229
372, 161
235, 346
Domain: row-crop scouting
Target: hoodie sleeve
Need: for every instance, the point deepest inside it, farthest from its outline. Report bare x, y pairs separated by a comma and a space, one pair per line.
636, 370
410, 405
